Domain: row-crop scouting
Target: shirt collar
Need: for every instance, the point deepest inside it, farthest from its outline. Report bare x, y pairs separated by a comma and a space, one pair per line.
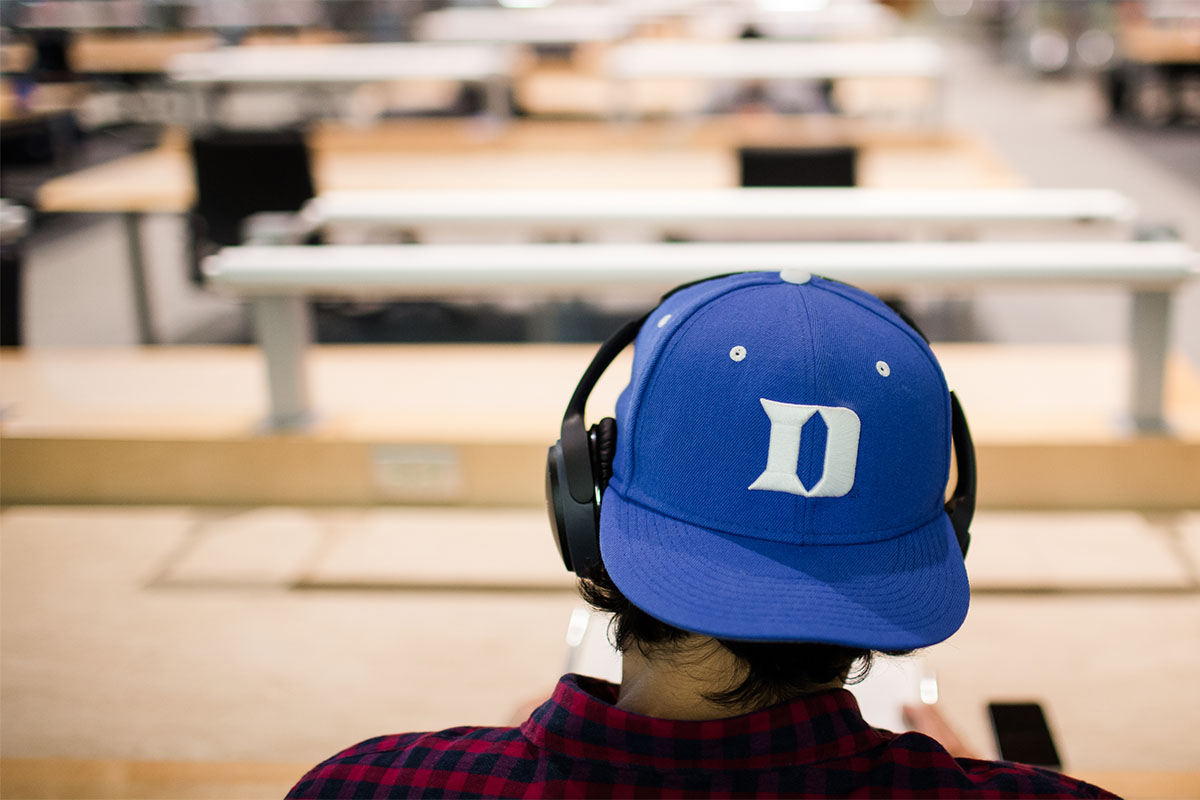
580, 722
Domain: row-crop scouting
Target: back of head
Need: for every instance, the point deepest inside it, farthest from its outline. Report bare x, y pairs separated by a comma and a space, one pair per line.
778, 474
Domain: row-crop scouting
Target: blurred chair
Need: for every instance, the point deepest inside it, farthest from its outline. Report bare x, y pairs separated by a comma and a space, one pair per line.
241, 173
798, 166
14, 225
52, 62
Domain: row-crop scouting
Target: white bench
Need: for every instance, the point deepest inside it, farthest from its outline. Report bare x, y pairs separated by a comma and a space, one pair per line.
824, 213
277, 280
340, 64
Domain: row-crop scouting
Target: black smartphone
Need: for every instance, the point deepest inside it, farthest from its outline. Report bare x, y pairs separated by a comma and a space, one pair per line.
1023, 735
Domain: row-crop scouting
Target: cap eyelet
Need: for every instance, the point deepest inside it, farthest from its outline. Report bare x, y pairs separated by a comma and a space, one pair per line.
882, 368
664, 319
737, 353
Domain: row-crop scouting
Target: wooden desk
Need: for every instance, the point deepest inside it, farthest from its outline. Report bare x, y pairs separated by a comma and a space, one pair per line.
1150, 44
16, 55
44, 101
110, 52
748, 59
125, 53
453, 154
1149, 78
458, 154
182, 425
552, 25
76, 577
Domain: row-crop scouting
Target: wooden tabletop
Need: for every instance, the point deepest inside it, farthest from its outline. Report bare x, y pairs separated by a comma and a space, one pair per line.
765, 59
43, 101
466, 154
134, 52
1151, 44
131, 587
185, 425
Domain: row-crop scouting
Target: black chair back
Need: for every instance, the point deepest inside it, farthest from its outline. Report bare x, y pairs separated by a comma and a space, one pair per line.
241, 173
798, 166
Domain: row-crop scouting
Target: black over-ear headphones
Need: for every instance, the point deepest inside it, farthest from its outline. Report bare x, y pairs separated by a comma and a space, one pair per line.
579, 464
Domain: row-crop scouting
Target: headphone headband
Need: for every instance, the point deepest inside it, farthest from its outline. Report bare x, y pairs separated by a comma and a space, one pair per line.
580, 480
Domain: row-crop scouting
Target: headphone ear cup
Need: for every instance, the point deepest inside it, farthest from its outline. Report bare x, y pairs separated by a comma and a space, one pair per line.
573, 523
604, 450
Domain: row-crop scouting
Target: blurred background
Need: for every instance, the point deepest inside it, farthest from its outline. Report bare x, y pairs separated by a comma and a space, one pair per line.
294, 293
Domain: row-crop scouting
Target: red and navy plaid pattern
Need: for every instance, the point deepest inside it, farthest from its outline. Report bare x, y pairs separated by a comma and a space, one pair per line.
578, 744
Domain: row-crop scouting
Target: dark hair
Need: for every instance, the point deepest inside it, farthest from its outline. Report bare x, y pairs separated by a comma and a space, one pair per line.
773, 672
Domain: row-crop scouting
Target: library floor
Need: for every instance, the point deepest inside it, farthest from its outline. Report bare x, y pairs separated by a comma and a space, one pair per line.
234, 647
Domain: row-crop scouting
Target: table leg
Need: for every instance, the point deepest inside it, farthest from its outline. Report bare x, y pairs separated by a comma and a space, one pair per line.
1149, 332
137, 273
496, 91
284, 329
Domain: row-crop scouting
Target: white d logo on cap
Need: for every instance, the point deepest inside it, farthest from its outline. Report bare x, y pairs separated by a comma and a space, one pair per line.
783, 451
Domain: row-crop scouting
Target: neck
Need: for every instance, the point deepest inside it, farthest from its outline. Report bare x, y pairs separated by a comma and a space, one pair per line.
675, 684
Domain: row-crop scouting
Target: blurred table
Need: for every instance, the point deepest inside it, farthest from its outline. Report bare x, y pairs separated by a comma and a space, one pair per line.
133, 53
1154, 77
403, 424
551, 25
758, 59
14, 224
466, 154
458, 154
309, 65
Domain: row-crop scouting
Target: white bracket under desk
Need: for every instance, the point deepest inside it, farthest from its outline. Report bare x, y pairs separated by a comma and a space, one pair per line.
277, 280
710, 214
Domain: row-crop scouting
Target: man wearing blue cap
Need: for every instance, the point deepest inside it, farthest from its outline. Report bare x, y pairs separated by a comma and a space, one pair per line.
765, 511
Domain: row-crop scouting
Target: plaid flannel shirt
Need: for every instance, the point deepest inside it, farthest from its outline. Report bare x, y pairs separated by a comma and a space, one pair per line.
578, 744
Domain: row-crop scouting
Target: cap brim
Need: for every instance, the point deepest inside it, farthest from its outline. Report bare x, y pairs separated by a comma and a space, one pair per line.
906, 592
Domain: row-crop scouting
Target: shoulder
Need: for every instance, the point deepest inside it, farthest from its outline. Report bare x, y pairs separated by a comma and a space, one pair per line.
1030, 781
412, 760
981, 778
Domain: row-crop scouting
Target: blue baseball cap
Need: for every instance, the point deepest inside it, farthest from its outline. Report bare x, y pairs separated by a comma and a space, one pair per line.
783, 452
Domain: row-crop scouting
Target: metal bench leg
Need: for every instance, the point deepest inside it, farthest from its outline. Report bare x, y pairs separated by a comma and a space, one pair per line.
1149, 331
137, 274
284, 329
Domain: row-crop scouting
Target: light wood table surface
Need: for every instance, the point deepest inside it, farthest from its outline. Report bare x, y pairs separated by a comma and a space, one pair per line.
45, 100
1150, 44
465, 154
403, 424
305, 630
134, 52
475, 154
126, 52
